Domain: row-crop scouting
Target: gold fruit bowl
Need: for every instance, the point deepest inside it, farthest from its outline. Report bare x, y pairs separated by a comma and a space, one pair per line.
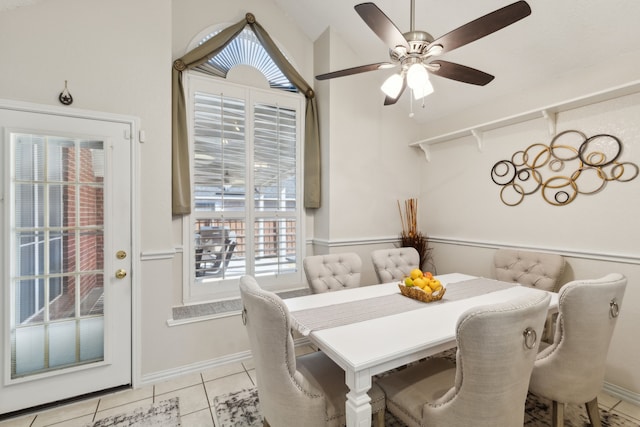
417, 293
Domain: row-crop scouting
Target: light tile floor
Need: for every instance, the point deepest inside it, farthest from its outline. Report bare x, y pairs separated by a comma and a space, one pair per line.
196, 393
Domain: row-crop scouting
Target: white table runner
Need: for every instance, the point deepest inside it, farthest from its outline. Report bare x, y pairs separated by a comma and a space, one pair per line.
331, 316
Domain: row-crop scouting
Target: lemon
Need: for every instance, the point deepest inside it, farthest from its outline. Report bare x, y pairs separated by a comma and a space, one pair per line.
420, 282
434, 284
408, 282
416, 273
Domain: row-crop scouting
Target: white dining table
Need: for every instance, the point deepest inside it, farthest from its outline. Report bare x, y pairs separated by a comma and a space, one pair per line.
368, 330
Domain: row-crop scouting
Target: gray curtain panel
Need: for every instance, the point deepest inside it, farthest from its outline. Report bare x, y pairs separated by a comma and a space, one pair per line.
181, 188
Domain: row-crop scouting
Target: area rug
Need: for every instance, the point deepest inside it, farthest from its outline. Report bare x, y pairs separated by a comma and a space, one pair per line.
165, 413
242, 409
238, 409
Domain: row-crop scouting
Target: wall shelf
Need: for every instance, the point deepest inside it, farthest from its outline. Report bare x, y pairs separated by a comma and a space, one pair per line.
549, 113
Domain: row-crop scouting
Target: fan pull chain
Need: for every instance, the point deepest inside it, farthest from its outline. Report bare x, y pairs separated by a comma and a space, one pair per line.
411, 105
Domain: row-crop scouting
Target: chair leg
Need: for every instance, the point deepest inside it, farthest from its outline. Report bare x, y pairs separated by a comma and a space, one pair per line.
557, 414
380, 418
594, 412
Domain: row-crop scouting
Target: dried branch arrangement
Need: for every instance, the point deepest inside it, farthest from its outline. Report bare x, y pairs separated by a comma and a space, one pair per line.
410, 236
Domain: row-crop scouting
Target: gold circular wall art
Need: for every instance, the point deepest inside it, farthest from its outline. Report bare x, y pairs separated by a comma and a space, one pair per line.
571, 164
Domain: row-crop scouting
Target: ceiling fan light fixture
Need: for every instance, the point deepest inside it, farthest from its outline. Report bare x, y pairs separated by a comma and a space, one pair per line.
423, 91
413, 50
392, 86
417, 76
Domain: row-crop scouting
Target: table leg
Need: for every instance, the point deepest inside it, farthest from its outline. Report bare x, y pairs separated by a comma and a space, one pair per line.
358, 406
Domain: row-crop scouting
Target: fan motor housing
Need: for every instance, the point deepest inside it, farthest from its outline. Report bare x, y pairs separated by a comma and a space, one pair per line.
418, 41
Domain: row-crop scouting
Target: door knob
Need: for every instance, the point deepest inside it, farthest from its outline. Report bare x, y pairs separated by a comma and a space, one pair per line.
121, 274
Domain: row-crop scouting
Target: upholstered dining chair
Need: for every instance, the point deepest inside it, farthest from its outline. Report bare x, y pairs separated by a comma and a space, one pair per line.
309, 390
534, 269
332, 272
395, 263
538, 270
487, 386
571, 369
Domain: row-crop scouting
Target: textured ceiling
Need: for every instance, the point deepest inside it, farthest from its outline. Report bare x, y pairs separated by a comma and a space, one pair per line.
558, 38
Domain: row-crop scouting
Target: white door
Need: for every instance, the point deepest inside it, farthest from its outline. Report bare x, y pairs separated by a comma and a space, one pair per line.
66, 254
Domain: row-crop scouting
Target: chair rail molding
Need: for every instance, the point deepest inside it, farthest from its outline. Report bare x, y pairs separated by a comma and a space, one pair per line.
549, 113
335, 243
591, 255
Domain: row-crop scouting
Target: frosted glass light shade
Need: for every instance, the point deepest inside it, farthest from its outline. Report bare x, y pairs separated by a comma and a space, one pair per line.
423, 91
417, 76
392, 86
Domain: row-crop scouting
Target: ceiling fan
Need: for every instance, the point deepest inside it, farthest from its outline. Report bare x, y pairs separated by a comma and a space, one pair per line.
415, 51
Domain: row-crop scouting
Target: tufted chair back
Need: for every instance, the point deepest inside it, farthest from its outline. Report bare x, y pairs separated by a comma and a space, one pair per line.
572, 368
332, 272
533, 269
394, 264
497, 345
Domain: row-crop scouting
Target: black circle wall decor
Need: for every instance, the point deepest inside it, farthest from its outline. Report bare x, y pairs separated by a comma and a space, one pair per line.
588, 165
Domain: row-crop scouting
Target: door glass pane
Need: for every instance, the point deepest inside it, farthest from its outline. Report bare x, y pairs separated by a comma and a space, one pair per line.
28, 350
91, 298
91, 342
62, 347
58, 258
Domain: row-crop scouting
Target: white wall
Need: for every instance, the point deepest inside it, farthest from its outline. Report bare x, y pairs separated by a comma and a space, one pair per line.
597, 233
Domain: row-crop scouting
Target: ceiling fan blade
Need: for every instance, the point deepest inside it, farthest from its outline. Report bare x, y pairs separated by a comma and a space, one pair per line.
388, 100
381, 25
483, 26
461, 73
355, 70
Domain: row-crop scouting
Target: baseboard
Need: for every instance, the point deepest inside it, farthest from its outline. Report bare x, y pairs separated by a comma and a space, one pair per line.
169, 374
621, 393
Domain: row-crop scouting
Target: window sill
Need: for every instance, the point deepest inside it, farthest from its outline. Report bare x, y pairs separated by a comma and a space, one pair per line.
186, 314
